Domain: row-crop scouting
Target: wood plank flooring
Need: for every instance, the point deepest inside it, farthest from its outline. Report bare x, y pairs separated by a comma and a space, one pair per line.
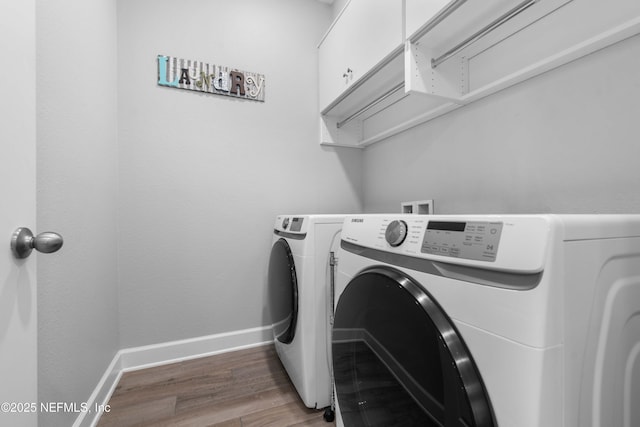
246, 388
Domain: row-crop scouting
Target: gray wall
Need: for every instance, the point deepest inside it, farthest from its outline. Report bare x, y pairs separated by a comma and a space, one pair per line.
563, 142
76, 196
337, 6
202, 177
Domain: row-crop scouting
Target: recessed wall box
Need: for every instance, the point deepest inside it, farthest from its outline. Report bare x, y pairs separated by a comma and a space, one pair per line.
407, 207
421, 207
424, 207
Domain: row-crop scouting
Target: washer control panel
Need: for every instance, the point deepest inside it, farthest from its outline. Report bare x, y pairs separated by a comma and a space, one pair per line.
475, 240
290, 224
296, 224
514, 243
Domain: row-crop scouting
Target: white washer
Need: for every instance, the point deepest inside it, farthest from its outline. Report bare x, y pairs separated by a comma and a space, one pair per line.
528, 321
299, 300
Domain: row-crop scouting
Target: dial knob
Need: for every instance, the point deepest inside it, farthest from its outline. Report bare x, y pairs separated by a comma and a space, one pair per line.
396, 233
285, 223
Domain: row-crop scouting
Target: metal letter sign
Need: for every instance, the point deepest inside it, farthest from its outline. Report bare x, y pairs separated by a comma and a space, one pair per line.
209, 78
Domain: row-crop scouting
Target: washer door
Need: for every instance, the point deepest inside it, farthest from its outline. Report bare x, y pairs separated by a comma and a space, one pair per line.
283, 292
398, 360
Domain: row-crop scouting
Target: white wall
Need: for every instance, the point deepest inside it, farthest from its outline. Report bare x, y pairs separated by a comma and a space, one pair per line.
76, 196
337, 6
563, 142
203, 176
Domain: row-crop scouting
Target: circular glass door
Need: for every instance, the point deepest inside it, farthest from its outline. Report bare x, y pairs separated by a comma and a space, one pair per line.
398, 360
283, 291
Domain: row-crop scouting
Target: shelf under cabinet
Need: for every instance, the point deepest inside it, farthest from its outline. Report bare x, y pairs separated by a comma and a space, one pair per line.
542, 37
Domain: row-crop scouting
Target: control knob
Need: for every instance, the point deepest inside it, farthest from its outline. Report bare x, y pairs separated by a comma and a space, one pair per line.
285, 223
396, 233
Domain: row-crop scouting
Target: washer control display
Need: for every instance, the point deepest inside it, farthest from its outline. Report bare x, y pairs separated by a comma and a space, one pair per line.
473, 240
296, 224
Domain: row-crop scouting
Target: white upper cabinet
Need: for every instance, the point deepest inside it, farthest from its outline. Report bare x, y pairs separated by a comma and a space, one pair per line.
363, 35
389, 65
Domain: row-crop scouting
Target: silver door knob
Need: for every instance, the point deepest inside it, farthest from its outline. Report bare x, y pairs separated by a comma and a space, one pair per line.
23, 242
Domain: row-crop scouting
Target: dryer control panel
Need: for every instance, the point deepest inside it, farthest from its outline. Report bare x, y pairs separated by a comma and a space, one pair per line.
477, 240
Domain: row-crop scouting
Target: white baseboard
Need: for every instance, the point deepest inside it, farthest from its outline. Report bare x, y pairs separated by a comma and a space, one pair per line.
131, 359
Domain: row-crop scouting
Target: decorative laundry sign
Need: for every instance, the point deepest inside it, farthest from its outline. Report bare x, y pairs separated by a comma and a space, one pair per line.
209, 78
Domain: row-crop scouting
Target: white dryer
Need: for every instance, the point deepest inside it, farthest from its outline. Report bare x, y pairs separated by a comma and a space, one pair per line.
300, 300
506, 320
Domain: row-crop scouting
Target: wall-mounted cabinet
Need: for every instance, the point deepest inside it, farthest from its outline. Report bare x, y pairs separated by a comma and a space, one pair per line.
453, 53
363, 35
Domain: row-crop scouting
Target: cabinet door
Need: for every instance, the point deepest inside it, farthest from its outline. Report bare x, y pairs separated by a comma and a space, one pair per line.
363, 35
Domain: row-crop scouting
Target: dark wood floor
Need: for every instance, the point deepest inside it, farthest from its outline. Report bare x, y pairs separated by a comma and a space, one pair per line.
237, 389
